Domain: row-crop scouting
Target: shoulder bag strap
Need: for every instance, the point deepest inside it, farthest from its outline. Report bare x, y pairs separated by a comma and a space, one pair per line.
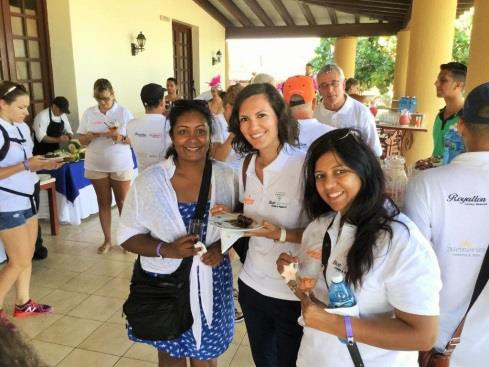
246, 164
326, 253
479, 286
204, 191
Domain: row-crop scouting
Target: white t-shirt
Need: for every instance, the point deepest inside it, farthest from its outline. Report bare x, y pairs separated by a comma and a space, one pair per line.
219, 129
279, 201
310, 130
150, 138
404, 275
102, 154
41, 123
450, 204
352, 114
23, 181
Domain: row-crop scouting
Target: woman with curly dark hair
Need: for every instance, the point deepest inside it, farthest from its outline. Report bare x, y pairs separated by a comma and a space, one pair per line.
381, 254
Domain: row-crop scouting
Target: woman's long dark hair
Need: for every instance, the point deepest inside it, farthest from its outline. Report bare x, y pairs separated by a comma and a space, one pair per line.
183, 106
371, 210
288, 128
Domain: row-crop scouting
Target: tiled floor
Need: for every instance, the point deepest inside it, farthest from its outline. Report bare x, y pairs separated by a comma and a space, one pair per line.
87, 291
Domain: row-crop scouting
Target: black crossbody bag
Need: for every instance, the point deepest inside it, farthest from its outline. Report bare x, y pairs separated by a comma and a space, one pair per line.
326, 252
158, 308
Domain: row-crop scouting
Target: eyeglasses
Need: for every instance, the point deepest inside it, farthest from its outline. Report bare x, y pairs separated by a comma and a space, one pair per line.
103, 99
334, 84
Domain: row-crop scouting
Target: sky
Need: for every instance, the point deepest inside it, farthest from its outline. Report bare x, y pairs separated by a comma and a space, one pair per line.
279, 57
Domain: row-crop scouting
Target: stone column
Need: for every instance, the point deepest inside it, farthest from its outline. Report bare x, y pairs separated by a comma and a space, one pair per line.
401, 67
478, 68
345, 51
432, 30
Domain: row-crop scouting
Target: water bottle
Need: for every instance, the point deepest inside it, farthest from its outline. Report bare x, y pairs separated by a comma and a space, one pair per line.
453, 145
403, 104
340, 293
412, 105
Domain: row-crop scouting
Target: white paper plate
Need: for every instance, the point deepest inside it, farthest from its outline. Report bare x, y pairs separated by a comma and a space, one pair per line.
224, 221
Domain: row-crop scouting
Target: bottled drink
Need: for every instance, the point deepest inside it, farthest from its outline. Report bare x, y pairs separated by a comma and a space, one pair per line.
404, 104
453, 145
412, 105
340, 293
395, 178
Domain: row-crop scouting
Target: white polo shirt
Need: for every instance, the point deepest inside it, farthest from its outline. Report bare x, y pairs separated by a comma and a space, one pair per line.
404, 276
310, 130
23, 181
41, 122
150, 138
279, 201
352, 114
102, 154
450, 204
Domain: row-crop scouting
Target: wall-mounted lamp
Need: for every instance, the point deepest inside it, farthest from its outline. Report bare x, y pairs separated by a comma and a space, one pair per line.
141, 41
217, 59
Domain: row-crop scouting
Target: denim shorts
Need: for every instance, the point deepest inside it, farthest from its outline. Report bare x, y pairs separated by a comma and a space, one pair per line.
14, 219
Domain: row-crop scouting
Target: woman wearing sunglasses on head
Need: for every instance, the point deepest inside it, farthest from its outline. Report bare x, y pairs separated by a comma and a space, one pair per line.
108, 159
390, 267
159, 223
18, 220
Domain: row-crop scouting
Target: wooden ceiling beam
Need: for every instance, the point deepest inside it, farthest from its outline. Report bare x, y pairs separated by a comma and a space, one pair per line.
259, 12
236, 12
332, 16
213, 12
333, 30
360, 7
282, 10
307, 13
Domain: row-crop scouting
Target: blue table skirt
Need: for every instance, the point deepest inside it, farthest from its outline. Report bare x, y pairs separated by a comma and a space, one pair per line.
70, 179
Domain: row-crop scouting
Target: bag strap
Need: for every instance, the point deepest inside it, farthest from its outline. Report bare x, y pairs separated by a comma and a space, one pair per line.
246, 163
204, 191
479, 286
355, 355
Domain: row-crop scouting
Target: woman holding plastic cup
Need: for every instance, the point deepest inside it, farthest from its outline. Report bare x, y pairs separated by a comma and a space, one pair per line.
157, 224
108, 158
388, 264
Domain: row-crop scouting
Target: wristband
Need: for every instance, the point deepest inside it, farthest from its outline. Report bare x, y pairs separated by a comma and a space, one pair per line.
283, 234
348, 329
26, 165
158, 247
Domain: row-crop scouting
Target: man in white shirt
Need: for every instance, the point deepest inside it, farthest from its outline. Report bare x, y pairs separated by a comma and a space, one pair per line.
149, 134
341, 111
51, 126
450, 204
300, 95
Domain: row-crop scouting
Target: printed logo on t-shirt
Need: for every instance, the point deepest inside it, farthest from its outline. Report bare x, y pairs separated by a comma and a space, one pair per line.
156, 136
280, 201
467, 200
141, 135
467, 249
99, 122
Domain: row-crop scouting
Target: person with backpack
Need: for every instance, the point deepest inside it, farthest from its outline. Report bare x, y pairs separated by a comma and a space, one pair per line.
18, 220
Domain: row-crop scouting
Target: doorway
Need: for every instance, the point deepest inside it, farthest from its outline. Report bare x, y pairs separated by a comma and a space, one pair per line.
182, 59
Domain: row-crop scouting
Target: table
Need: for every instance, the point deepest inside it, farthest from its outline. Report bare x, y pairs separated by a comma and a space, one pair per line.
396, 139
75, 195
50, 186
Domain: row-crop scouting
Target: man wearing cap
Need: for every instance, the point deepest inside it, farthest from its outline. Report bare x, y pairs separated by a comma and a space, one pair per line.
449, 86
341, 111
299, 94
450, 204
149, 134
51, 127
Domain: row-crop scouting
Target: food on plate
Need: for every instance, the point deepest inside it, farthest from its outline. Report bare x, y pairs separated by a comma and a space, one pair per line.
242, 221
430, 162
52, 155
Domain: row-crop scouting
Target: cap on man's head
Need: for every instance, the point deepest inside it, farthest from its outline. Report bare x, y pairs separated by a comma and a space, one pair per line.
476, 106
152, 94
298, 90
62, 103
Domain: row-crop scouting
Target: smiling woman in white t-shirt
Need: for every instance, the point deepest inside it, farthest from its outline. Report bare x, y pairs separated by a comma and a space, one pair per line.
18, 220
389, 265
108, 159
272, 196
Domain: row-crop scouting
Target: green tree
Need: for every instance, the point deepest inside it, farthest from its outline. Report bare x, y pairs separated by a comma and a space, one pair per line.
461, 39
